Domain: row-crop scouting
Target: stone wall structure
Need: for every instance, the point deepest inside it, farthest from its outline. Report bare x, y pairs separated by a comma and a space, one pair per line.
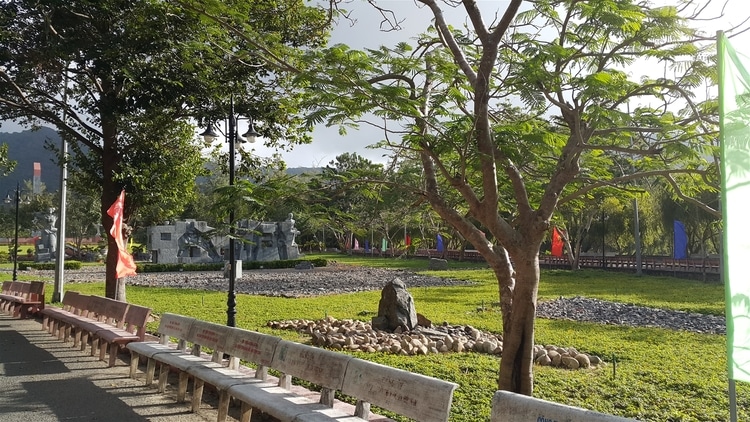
183, 242
189, 241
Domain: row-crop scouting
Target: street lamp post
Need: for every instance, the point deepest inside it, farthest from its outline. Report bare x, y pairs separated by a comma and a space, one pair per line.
232, 137
604, 232
15, 237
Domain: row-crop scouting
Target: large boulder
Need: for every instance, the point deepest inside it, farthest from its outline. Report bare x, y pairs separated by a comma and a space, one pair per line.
396, 308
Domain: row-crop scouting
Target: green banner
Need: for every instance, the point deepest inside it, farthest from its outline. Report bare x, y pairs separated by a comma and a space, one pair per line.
734, 119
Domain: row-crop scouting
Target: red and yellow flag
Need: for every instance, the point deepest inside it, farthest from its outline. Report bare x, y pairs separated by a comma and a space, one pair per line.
125, 263
557, 242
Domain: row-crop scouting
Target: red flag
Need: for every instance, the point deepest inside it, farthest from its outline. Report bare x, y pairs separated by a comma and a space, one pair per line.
125, 263
557, 243
408, 240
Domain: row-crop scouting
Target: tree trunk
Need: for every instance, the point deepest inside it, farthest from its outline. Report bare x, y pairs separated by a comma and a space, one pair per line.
110, 191
516, 365
110, 287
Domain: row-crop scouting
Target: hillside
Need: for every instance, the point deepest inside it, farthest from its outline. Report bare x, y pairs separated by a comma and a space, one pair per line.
26, 148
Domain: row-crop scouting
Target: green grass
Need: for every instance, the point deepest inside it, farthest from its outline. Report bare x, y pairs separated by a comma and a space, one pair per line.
661, 375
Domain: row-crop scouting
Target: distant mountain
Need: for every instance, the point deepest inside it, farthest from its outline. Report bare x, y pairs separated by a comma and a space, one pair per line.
304, 170
26, 148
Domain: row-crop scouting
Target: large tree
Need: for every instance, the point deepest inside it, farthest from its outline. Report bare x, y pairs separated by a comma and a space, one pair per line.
565, 64
118, 78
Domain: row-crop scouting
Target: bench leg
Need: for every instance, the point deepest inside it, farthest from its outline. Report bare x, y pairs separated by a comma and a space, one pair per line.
133, 363
84, 340
163, 374
68, 329
102, 350
197, 394
223, 406
246, 412
77, 339
114, 349
150, 369
94, 344
362, 410
327, 396
182, 386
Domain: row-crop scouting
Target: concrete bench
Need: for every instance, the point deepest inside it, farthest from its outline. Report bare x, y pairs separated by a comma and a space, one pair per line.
22, 299
413, 395
512, 407
53, 318
105, 323
192, 336
285, 401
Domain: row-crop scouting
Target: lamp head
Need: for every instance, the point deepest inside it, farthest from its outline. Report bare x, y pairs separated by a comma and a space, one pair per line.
209, 135
251, 133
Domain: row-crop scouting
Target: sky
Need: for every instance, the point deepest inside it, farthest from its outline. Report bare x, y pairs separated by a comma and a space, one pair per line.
366, 33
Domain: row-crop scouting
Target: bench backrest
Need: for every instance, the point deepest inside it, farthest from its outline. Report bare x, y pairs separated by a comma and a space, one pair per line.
252, 346
175, 326
209, 335
114, 312
22, 289
135, 320
512, 407
15, 287
415, 396
95, 307
69, 299
36, 291
6, 287
77, 303
318, 366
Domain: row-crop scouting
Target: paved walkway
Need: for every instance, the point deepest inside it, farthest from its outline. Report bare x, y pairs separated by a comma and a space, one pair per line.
43, 379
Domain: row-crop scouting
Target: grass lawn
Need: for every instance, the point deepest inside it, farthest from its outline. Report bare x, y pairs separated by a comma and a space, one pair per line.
659, 375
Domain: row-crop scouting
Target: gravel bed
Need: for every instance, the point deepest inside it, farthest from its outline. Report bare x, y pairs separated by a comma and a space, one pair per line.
279, 283
604, 312
338, 279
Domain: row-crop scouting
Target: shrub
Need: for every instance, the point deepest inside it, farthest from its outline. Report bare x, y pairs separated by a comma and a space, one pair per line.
216, 266
69, 265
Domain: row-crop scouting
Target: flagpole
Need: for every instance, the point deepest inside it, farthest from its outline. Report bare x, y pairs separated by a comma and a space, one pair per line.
727, 300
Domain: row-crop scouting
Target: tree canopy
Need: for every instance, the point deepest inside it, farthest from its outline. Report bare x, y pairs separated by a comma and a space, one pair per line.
119, 78
536, 109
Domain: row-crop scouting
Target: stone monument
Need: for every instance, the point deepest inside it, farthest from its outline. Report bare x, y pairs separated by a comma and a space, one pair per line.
396, 310
190, 241
45, 245
269, 241
187, 241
